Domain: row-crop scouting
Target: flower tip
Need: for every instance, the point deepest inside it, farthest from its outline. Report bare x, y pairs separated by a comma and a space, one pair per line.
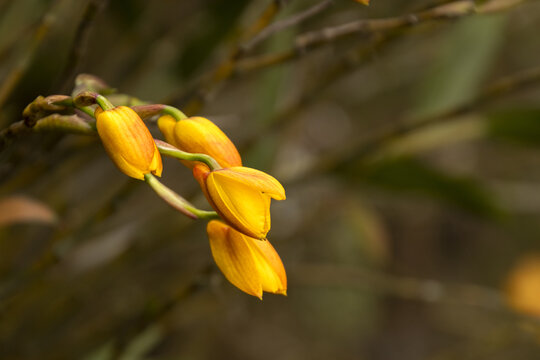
363, 2
278, 193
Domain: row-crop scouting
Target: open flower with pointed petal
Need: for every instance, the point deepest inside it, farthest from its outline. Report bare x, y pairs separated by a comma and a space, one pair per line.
128, 142
241, 196
251, 265
199, 135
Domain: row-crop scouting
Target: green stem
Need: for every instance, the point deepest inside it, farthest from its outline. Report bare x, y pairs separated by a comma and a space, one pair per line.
178, 202
86, 110
174, 112
104, 103
70, 103
169, 150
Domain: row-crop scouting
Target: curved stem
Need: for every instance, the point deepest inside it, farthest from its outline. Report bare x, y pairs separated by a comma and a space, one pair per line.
178, 202
174, 112
169, 150
88, 111
104, 103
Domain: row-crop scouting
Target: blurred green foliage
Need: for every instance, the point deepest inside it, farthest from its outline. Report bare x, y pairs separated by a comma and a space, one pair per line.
411, 175
520, 126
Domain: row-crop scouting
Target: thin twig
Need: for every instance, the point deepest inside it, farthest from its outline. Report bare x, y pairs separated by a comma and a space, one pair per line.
11, 132
350, 60
202, 91
284, 24
54, 122
80, 42
315, 39
359, 56
22, 64
430, 291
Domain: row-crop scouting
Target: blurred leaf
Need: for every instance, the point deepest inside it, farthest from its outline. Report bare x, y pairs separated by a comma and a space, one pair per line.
370, 230
411, 175
104, 352
465, 57
20, 209
359, 236
340, 313
515, 125
219, 15
438, 135
142, 344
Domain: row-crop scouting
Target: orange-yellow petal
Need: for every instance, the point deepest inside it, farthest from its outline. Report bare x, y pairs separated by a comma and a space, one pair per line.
200, 135
166, 125
244, 207
200, 173
241, 196
233, 257
128, 142
274, 261
256, 179
246, 264
156, 166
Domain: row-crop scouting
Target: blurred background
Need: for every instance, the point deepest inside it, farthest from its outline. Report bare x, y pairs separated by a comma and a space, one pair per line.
406, 134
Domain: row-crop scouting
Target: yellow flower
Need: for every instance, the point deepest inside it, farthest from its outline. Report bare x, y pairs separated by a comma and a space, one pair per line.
128, 142
523, 286
251, 265
199, 135
241, 196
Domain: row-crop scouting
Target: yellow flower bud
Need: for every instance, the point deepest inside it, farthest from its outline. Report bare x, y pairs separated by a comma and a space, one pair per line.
128, 142
199, 135
241, 196
523, 286
251, 265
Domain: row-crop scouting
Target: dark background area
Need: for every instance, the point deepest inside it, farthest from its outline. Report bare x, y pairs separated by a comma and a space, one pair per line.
409, 153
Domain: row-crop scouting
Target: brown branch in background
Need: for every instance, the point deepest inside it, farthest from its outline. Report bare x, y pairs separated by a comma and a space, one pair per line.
54, 122
346, 62
409, 288
25, 59
430, 291
225, 68
264, 19
11, 132
360, 55
285, 24
157, 312
315, 39
80, 41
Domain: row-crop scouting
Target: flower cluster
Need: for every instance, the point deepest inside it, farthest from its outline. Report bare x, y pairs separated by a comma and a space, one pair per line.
239, 195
